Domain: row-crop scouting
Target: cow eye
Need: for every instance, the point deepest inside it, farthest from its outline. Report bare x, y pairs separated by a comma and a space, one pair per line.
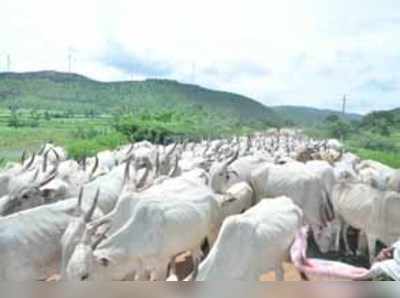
25, 196
104, 262
84, 277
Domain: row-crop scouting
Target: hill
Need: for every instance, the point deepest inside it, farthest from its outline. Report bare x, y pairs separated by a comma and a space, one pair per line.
49, 90
308, 116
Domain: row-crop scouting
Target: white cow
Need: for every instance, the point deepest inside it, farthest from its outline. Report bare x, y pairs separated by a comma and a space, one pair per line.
253, 243
300, 184
159, 228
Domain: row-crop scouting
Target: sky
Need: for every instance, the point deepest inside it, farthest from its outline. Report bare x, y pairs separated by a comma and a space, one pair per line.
279, 52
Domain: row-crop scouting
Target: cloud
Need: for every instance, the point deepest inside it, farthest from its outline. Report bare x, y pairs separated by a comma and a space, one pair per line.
381, 85
307, 52
118, 57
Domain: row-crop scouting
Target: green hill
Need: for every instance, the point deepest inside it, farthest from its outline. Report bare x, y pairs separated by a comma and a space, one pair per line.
51, 90
307, 116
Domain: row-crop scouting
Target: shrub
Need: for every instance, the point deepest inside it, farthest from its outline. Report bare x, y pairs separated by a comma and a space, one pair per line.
375, 142
81, 148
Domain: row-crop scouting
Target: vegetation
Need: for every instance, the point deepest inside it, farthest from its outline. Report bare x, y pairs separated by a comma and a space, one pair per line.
306, 116
83, 135
72, 93
376, 136
87, 116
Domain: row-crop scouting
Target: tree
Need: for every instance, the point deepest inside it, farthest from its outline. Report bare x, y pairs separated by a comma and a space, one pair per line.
14, 120
339, 129
332, 118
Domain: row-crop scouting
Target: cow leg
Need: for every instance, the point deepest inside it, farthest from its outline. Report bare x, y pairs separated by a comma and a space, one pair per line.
371, 248
279, 273
362, 245
346, 240
142, 275
338, 233
159, 270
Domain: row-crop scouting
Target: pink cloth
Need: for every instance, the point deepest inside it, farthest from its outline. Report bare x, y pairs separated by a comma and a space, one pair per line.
321, 268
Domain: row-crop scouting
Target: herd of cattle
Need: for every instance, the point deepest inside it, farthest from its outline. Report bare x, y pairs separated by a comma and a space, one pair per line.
234, 204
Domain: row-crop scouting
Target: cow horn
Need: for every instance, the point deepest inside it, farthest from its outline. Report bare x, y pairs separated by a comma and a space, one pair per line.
36, 175
172, 149
30, 162
130, 149
142, 180
84, 163
23, 157
89, 214
45, 161
157, 170
174, 171
95, 166
47, 180
41, 150
231, 160
101, 238
78, 208
56, 154
127, 175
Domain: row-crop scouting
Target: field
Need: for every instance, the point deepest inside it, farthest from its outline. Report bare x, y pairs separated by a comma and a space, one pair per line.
78, 131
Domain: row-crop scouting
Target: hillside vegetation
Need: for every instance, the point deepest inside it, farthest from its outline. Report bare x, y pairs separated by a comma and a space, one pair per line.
49, 90
306, 116
376, 136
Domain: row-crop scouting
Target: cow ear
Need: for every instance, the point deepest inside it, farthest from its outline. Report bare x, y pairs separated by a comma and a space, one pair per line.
228, 200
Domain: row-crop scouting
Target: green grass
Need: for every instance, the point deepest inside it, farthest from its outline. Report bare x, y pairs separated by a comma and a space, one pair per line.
390, 159
71, 92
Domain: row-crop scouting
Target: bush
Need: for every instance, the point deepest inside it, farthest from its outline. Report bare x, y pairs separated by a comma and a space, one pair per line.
375, 142
81, 148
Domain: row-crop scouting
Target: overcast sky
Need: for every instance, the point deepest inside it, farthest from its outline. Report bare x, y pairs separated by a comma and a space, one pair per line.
297, 52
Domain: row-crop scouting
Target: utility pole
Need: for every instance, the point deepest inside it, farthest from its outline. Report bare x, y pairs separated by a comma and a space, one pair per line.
70, 59
8, 62
193, 72
344, 105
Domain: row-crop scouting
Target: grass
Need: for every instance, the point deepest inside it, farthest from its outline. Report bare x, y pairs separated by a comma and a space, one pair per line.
390, 159
80, 135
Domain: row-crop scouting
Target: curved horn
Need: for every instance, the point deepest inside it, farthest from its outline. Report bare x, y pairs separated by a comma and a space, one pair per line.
84, 163
78, 208
30, 162
172, 149
142, 180
174, 171
130, 149
102, 236
56, 154
41, 150
231, 160
47, 180
127, 175
35, 176
96, 165
45, 161
23, 157
89, 214
157, 170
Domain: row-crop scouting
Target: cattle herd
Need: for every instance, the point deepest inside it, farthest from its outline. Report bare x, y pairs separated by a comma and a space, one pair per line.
235, 206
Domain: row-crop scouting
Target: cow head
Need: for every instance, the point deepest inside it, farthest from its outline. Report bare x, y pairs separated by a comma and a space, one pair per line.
221, 176
76, 228
82, 263
27, 195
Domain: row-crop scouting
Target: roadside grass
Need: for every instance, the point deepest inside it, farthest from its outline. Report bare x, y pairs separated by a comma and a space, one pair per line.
79, 135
